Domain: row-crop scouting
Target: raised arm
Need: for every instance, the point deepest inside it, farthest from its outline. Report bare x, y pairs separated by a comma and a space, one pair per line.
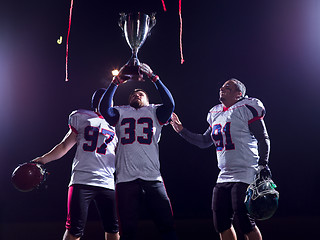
110, 114
60, 149
200, 140
166, 109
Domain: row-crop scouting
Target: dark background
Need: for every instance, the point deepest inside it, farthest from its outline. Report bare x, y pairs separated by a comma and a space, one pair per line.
272, 46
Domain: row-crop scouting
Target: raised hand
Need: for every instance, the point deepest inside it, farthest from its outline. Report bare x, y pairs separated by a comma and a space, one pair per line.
120, 78
148, 71
175, 123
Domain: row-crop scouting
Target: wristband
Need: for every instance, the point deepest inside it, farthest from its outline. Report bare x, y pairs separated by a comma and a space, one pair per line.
154, 77
116, 80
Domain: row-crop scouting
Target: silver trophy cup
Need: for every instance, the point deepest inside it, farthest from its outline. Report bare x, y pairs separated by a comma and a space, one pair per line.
136, 28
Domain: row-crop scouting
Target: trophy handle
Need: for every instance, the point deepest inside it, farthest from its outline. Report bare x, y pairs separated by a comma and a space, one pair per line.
122, 19
153, 21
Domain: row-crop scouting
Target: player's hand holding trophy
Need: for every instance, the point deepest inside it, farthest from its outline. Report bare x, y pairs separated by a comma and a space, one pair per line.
136, 28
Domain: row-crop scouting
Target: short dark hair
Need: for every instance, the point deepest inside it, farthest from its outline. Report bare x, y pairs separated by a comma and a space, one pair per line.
96, 96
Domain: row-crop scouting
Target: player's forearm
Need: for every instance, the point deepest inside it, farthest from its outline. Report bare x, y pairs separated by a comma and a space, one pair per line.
166, 109
264, 150
60, 149
55, 153
110, 114
259, 131
199, 140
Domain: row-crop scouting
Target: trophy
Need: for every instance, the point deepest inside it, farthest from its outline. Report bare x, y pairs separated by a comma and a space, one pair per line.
136, 28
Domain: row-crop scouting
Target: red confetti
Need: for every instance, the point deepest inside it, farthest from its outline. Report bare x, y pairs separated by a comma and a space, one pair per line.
181, 54
67, 44
164, 6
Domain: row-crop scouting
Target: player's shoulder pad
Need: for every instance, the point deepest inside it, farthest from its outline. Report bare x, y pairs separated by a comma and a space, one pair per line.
216, 108
155, 105
121, 107
254, 102
254, 105
82, 111
73, 113
213, 112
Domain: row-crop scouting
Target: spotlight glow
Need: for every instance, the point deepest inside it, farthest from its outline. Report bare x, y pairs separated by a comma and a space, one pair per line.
115, 72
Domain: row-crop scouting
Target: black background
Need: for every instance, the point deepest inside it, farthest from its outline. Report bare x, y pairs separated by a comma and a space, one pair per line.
272, 46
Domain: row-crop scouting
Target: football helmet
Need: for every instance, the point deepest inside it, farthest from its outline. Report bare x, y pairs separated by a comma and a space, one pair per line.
96, 96
28, 176
262, 198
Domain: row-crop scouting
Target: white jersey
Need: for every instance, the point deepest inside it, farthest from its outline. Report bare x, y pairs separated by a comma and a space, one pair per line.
94, 161
139, 132
236, 147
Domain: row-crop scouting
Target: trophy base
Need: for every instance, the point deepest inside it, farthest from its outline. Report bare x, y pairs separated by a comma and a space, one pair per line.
132, 72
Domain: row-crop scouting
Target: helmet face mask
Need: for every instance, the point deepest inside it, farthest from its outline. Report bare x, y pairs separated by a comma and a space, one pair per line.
262, 198
28, 176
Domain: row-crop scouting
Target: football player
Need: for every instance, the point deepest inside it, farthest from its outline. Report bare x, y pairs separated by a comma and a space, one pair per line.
93, 167
238, 132
138, 127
